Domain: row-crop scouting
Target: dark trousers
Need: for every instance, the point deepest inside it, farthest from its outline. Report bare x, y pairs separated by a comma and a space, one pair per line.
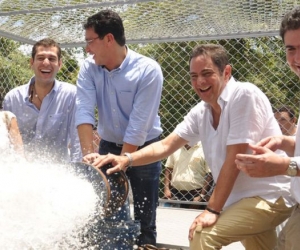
144, 181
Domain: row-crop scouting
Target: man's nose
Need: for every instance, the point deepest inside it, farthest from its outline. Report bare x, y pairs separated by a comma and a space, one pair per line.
200, 80
46, 61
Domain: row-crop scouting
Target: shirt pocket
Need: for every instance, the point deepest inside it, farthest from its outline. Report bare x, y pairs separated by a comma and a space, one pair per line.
55, 124
125, 101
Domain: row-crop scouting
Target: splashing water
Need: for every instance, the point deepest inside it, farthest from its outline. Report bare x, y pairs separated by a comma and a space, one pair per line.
43, 206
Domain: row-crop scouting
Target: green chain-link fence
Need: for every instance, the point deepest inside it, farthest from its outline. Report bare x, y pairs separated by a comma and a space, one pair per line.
258, 60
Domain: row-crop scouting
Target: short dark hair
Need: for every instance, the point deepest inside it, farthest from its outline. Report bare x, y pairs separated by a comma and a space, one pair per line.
290, 21
46, 42
217, 53
105, 22
287, 109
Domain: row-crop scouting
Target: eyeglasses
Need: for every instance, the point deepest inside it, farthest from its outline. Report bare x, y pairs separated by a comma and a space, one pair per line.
88, 42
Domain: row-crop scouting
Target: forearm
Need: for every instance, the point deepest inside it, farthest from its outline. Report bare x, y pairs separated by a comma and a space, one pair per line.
85, 133
158, 150
288, 145
167, 179
222, 190
15, 136
128, 148
227, 177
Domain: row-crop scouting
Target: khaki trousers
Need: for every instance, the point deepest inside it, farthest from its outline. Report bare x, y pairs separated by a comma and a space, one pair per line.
289, 237
250, 220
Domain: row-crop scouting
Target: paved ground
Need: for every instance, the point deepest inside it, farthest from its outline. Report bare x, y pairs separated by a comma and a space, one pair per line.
173, 225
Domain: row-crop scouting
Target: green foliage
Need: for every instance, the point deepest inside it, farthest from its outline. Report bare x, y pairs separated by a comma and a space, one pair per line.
178, 96
14, 66
70, 68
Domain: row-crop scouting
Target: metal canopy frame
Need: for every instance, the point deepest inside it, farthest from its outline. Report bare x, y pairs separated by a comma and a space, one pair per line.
145, 21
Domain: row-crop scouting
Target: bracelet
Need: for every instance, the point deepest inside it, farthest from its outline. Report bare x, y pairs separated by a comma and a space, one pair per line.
130, 159
212, 211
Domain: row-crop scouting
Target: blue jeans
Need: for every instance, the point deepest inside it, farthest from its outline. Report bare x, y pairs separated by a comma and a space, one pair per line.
144, 183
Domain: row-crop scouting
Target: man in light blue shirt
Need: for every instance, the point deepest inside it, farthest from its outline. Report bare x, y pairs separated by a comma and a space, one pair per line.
126, 89
45, 108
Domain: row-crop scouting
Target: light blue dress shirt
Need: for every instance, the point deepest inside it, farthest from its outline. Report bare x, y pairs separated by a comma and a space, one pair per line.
50, 131
127, 99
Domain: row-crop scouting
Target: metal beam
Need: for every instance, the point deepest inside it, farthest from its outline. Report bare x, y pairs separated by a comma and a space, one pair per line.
70, 7
156, 40
17, 38
205, 37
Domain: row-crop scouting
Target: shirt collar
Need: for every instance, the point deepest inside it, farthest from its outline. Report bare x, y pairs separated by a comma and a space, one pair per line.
225, 95
32, 81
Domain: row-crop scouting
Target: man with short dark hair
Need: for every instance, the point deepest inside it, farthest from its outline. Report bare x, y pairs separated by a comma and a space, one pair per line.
265, 162
126, 89
45, 108
286, 119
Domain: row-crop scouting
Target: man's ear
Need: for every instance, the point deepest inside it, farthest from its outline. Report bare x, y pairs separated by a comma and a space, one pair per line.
227, 71
109, 38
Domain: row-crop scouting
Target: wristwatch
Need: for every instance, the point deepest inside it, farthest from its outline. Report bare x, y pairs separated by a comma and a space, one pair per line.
292, 170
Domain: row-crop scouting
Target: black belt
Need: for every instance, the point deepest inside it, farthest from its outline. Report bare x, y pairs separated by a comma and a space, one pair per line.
116, 145
112, 144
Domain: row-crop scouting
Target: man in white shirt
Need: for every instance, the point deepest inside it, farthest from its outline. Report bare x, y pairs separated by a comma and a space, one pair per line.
230, 116
265, 162
187, 176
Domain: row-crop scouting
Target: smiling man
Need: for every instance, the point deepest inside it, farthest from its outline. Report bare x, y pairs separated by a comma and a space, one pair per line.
125, 87
231, 115
265, 162
45, 108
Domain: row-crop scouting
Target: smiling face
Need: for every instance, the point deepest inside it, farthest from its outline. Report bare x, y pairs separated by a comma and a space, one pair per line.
292, 45
207, 81
45, 64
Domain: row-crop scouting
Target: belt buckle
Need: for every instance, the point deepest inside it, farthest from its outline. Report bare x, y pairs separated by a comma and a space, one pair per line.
119, 145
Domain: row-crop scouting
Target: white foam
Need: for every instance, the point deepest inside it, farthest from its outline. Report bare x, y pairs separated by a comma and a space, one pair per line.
42, 206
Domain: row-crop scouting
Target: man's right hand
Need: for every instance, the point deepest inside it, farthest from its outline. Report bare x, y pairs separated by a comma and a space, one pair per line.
205, 219
118, 162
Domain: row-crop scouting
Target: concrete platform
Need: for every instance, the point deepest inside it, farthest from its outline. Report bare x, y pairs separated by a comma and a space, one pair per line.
173, 227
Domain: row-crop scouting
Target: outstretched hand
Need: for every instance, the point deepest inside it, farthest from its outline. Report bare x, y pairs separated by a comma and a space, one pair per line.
119, 163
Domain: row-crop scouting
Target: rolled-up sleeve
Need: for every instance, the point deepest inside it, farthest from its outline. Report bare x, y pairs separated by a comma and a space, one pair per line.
86, 95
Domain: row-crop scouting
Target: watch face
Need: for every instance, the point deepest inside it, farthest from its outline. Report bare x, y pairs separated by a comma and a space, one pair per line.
292, 169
